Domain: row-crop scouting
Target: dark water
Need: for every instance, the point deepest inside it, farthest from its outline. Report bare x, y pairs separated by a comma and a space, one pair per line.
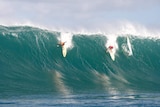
33, 71
89, 100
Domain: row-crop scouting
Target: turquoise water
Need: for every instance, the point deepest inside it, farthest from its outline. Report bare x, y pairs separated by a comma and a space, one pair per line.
33, 71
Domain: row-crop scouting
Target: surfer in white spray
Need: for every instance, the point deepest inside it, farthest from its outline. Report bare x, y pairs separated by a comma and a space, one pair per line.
64, 48
110, 48
61, 43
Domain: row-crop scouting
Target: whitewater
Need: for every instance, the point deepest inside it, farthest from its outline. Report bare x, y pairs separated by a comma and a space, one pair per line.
34, 72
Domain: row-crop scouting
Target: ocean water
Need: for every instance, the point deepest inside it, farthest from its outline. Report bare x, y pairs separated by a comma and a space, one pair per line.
33, 71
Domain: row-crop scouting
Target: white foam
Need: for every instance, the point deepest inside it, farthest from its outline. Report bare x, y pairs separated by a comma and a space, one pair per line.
15, 35
129, 47
119, 29
138, 30
67, 38
112, 41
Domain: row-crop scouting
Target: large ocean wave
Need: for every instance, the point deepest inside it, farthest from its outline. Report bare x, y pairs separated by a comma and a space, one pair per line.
31, 62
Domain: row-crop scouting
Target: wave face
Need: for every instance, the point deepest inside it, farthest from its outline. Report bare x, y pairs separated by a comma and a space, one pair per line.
31, 62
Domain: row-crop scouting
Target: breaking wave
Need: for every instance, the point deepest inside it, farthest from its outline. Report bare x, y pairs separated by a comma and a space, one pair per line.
31, 62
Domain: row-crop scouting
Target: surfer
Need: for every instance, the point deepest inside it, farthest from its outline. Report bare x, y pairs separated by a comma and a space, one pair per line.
64, 48
110, 47
61, 44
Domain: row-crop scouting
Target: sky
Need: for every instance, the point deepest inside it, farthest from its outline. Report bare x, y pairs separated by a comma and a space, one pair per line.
81, 14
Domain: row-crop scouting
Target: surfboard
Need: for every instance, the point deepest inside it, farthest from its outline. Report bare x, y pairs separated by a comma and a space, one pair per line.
129, 47
64, 51
112, 53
